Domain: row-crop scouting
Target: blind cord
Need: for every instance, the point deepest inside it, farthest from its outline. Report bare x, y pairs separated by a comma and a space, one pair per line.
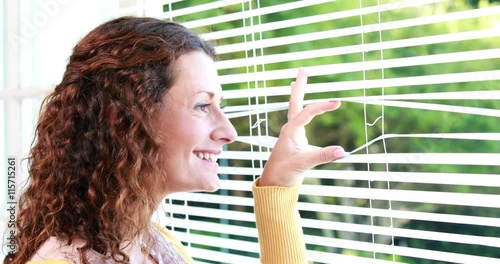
365, 119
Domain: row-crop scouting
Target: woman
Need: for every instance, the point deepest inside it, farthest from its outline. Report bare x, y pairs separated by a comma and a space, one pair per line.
137, 117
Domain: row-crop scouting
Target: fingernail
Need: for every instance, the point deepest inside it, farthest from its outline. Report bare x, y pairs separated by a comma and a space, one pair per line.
338, 153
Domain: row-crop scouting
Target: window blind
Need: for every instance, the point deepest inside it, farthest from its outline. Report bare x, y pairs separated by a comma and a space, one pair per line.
419, 85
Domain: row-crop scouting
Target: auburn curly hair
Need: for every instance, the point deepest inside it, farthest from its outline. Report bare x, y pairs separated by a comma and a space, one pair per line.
93, 168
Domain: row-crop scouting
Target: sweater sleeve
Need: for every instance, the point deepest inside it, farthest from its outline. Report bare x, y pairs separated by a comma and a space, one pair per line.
278, 223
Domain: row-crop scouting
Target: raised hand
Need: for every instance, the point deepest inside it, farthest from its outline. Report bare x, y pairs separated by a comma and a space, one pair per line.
291, 156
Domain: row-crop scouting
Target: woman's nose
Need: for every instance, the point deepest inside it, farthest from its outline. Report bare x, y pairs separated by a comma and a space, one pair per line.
224, 130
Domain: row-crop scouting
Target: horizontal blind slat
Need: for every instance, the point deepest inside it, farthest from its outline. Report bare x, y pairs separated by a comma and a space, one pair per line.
232, 111
270, 141
335, 33
253, 13
218, 241
310, 19
485, 159
450, 198
225, 228
344, 227
402, 232
342, 243
470, 179
209, 212
200, 8
327, 257
330, 69
398, 250
220, 255
436, 107
459, 109
366, 47
342, 209
448, 78
463, 199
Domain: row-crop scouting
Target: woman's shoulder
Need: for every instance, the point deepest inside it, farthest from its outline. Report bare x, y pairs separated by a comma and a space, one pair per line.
55, 251
58, 251
164, 231
174, 241
169, 237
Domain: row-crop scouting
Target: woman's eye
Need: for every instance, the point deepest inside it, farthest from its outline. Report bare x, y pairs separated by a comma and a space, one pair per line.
203, 107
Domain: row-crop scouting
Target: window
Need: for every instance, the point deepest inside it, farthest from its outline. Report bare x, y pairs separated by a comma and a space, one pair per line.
420, 115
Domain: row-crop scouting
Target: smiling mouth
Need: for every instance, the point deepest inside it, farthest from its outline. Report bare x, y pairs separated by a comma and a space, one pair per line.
207, 156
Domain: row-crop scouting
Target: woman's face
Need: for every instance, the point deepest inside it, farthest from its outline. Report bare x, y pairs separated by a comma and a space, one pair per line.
193, 126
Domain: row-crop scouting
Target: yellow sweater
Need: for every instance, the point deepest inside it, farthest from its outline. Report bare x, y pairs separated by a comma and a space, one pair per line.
280, 233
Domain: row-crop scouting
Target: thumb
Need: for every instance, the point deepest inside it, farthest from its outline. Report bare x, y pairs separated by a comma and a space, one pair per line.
322, 156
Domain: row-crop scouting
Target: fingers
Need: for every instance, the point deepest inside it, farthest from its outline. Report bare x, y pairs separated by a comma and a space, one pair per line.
321, 156
297, 96
307, 114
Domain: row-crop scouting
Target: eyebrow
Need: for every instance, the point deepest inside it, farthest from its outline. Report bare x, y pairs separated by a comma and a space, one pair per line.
211, 94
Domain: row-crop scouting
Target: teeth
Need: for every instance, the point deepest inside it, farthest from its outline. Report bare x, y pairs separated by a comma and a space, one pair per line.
207, 156
213, 157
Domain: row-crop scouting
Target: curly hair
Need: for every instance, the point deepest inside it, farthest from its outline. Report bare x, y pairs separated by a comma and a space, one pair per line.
94, 166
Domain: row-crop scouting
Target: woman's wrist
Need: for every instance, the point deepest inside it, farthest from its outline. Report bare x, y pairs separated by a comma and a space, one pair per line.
265, 180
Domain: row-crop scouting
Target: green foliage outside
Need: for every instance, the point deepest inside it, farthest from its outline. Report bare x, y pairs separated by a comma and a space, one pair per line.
346, 127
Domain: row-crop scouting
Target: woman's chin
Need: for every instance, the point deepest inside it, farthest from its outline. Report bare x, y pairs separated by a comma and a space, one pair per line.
212, 185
